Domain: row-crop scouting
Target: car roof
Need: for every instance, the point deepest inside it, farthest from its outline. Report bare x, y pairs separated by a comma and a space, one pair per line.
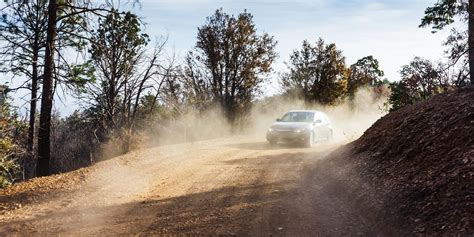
312, 111
316, 112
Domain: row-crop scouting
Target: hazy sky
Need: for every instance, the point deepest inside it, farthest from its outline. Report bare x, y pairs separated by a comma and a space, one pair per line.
386, 29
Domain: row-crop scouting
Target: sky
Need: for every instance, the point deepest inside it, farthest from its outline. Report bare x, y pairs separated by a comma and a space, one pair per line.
385, 29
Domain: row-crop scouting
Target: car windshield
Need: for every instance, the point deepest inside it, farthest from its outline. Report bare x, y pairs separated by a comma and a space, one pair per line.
298, 117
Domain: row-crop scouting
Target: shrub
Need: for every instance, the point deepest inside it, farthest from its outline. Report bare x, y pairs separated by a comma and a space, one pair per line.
9, 168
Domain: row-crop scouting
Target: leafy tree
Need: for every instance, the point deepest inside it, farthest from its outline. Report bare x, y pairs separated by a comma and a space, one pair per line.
229, 62
153, 114
8, 165
73, 13
149, 108
22, 30
420, 81
12, 149
399, 96
119, 56
365, 72
316, 73
118, 48
444, 13
421, 77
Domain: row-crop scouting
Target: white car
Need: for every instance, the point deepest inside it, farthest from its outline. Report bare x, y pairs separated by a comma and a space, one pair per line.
301, 126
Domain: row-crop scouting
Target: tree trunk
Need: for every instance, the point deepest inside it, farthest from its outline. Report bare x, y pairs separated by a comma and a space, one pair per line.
34, 90
44, 142
471, 41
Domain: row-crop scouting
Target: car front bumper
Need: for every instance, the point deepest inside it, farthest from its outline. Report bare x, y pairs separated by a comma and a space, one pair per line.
287, 136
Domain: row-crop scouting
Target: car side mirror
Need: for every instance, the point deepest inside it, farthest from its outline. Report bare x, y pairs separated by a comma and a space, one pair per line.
278, 119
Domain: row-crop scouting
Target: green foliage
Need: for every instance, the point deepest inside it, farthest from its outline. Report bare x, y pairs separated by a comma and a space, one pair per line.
438, 17
443, 13
421, 77
22, 33
229, 62
365, 72
149, 107
118, 34
420, 80
152, 115
117, 50
319, 74
316, 73
79, 75
399, 96
8, 166
12, 132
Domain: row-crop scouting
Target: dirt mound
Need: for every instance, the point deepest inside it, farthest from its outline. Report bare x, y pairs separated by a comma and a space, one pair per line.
417, 166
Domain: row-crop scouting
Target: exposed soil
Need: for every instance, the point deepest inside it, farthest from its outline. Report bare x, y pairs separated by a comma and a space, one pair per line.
410, 173
235, 186
417, 166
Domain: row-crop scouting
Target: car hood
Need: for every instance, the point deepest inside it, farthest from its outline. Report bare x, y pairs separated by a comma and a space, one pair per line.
290, 125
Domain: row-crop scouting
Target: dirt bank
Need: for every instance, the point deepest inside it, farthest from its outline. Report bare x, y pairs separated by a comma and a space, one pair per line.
415, 167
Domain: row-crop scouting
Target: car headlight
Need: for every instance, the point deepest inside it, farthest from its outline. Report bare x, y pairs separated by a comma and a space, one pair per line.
270, 130
300, 130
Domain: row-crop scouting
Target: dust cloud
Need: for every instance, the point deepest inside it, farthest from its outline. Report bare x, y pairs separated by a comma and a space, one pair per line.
349, 119
118, 181
190, 127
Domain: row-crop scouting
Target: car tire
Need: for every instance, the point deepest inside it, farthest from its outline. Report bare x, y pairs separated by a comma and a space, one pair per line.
272, 143
310, 141
329, 137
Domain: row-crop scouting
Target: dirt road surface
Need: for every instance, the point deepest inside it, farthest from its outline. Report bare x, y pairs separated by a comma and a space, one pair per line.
234, 186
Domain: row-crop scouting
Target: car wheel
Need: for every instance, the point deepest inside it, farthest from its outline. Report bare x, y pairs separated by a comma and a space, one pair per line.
329, 137
272, 143
310, 140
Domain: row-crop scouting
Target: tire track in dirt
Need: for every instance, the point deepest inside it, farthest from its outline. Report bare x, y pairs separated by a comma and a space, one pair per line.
230, 186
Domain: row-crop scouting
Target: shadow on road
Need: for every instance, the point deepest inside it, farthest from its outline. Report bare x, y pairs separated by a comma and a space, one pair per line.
225, 211
287, 159
298, 193
258, 146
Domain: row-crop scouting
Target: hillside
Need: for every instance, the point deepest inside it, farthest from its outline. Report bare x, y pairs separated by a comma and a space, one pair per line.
414, 167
